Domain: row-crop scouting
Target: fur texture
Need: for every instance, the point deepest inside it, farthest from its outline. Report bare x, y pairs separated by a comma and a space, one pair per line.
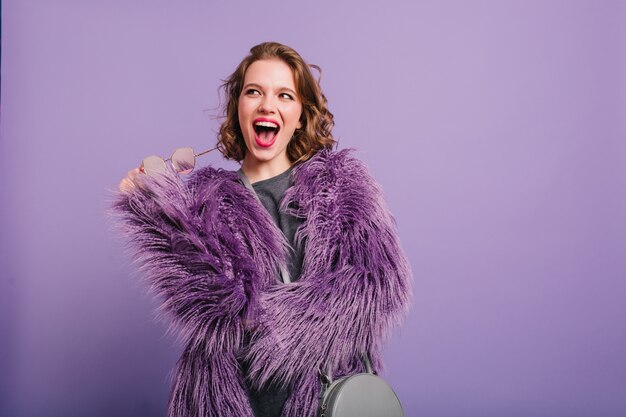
211, 252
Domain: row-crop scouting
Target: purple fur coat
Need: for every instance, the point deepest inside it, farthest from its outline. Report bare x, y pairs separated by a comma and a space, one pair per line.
211, 253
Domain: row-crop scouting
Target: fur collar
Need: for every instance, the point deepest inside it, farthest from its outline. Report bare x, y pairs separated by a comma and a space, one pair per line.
330, 192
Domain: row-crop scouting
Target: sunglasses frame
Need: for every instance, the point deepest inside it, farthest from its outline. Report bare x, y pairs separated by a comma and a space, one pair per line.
164, 161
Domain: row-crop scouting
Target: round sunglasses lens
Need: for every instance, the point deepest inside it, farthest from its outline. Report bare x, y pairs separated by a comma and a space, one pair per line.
153, 165
184, 160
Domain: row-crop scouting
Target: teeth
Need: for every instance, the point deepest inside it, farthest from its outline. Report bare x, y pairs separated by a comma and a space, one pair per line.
267, 124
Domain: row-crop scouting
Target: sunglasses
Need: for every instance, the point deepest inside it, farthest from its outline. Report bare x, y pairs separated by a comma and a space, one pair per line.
183, 161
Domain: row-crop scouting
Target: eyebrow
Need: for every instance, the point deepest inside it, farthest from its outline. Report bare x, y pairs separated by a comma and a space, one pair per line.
258, 86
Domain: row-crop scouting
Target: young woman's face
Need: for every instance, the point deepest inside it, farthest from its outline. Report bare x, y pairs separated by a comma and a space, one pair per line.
269, 110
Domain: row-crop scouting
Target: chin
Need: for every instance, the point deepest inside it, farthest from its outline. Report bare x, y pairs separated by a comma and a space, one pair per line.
266, 154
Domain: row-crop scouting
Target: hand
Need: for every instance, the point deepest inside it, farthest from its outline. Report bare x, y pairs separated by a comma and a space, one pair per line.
128, 184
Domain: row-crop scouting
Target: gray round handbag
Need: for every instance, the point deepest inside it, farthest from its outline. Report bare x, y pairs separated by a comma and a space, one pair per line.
359, 395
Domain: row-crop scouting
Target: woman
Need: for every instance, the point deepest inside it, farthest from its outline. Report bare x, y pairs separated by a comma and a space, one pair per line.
254, 344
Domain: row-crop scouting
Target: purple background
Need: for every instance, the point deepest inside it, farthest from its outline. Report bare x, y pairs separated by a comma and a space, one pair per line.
496, 129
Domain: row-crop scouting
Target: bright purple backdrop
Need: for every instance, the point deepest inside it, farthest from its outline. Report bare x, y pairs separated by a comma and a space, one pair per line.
496, 129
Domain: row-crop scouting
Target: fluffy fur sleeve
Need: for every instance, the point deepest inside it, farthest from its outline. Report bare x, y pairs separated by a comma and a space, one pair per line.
194, 246
355, 284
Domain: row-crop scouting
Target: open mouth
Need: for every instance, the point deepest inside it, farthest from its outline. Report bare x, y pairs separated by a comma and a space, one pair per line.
266, 132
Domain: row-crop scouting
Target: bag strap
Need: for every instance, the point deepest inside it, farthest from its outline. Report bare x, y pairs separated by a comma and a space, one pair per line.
327, 378
284, 272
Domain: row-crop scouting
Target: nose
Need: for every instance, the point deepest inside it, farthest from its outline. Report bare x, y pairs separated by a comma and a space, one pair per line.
267, 105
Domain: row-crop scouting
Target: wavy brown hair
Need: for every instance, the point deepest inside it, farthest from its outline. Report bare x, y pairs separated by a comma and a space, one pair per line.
317, 121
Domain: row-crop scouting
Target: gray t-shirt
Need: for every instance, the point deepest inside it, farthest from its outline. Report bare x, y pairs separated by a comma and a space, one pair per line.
271, 192
269, 401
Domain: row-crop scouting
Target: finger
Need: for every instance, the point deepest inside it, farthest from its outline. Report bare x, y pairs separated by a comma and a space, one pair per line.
126, 185
132, 174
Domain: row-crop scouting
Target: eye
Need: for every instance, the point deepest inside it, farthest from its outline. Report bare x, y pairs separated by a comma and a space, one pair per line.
252, 92
286, 96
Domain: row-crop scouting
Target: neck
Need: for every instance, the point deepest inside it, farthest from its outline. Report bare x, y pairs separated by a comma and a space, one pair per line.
257, 170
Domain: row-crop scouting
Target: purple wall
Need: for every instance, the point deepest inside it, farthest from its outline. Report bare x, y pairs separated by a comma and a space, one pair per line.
497, 130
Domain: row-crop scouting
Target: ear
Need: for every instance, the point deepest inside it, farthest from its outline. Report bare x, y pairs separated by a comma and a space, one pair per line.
299, 126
